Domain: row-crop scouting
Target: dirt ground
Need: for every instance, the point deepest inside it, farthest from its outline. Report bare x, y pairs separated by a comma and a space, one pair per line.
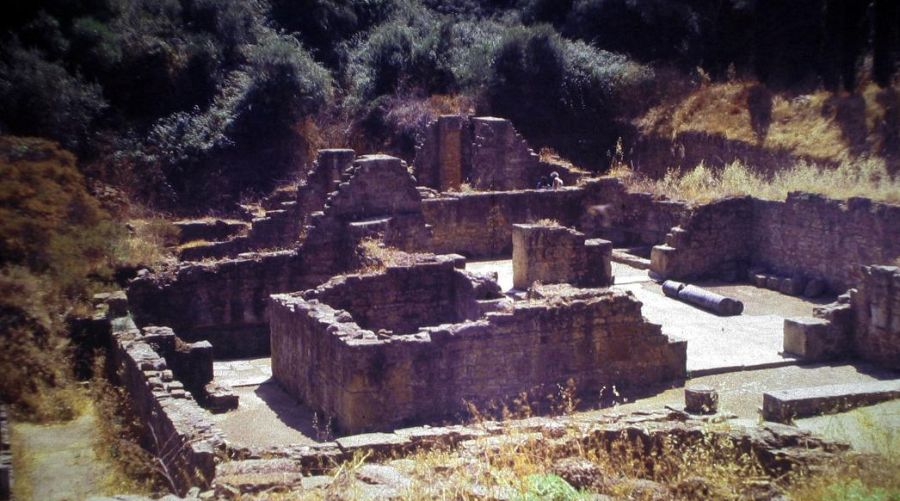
57, 462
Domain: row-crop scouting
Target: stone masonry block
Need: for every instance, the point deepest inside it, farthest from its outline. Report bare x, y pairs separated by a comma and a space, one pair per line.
812, 338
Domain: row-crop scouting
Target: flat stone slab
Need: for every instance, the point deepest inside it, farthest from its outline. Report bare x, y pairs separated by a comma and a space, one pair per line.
376, 442
785, 405
623, 256
239, 373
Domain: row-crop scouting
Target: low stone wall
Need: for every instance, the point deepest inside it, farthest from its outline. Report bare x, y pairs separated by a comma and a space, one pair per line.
556, 254
825, 239
779, 448
864, 322
627, 218
370, 381
210, 230
715, 238
403, 299
479, 225
224, 302
176, 428
877, 307
806, 235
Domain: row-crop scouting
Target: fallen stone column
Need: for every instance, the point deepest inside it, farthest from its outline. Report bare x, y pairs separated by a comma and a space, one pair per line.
717, 303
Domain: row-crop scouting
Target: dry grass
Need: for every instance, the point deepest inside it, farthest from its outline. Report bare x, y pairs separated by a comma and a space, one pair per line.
522, 465
820, 125
148, 243
548, 222
866, 477
864, 178
375, 257
117, 442
550, 156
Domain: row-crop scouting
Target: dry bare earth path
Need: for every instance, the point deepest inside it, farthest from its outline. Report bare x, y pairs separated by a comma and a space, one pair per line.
58, 460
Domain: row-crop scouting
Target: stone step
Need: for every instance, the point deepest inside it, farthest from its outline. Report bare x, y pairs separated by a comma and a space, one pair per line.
625, 257
784, 405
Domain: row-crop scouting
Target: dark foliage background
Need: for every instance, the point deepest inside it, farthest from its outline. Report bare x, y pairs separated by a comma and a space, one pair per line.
191, 104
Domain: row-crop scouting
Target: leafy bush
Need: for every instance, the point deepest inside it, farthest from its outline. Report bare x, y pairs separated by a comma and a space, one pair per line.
323, 25
555, 90
214, 154
48, 220
41, 98
403, 53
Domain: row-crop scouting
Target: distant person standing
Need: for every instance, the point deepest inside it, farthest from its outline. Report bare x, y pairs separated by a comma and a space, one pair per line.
555, 181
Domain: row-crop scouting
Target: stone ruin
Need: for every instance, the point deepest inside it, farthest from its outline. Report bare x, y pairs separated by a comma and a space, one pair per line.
486, 153
414, 338
414, 344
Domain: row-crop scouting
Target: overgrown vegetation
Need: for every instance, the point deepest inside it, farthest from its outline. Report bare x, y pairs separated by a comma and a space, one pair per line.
190, 104
867, 178
57, 247
524, 467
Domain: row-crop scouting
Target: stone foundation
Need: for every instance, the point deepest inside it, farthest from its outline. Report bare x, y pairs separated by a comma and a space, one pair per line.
334, 360
555, 254
806, 235
175, 428
877, 307
864, 323
225, 302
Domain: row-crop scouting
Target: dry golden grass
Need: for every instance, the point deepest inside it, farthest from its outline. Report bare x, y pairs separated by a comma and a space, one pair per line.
819, 125
375, 257
130, 466
863, 178
547, 222
550, 156
149, 243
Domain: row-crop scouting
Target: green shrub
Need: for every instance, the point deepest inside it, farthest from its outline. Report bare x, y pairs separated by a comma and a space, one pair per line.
549, 487
41, 98
401, 54
209, 156
565, 94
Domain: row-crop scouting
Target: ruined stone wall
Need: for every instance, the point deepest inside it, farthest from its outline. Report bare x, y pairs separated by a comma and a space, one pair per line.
366, 382
224, 302
485, 152
479, 225
715, 238
877, 308
805, 235
825, 239
287, 212
377, 200
501, 159
175, 428
322, 179
556, 254
627, 218
403, 299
